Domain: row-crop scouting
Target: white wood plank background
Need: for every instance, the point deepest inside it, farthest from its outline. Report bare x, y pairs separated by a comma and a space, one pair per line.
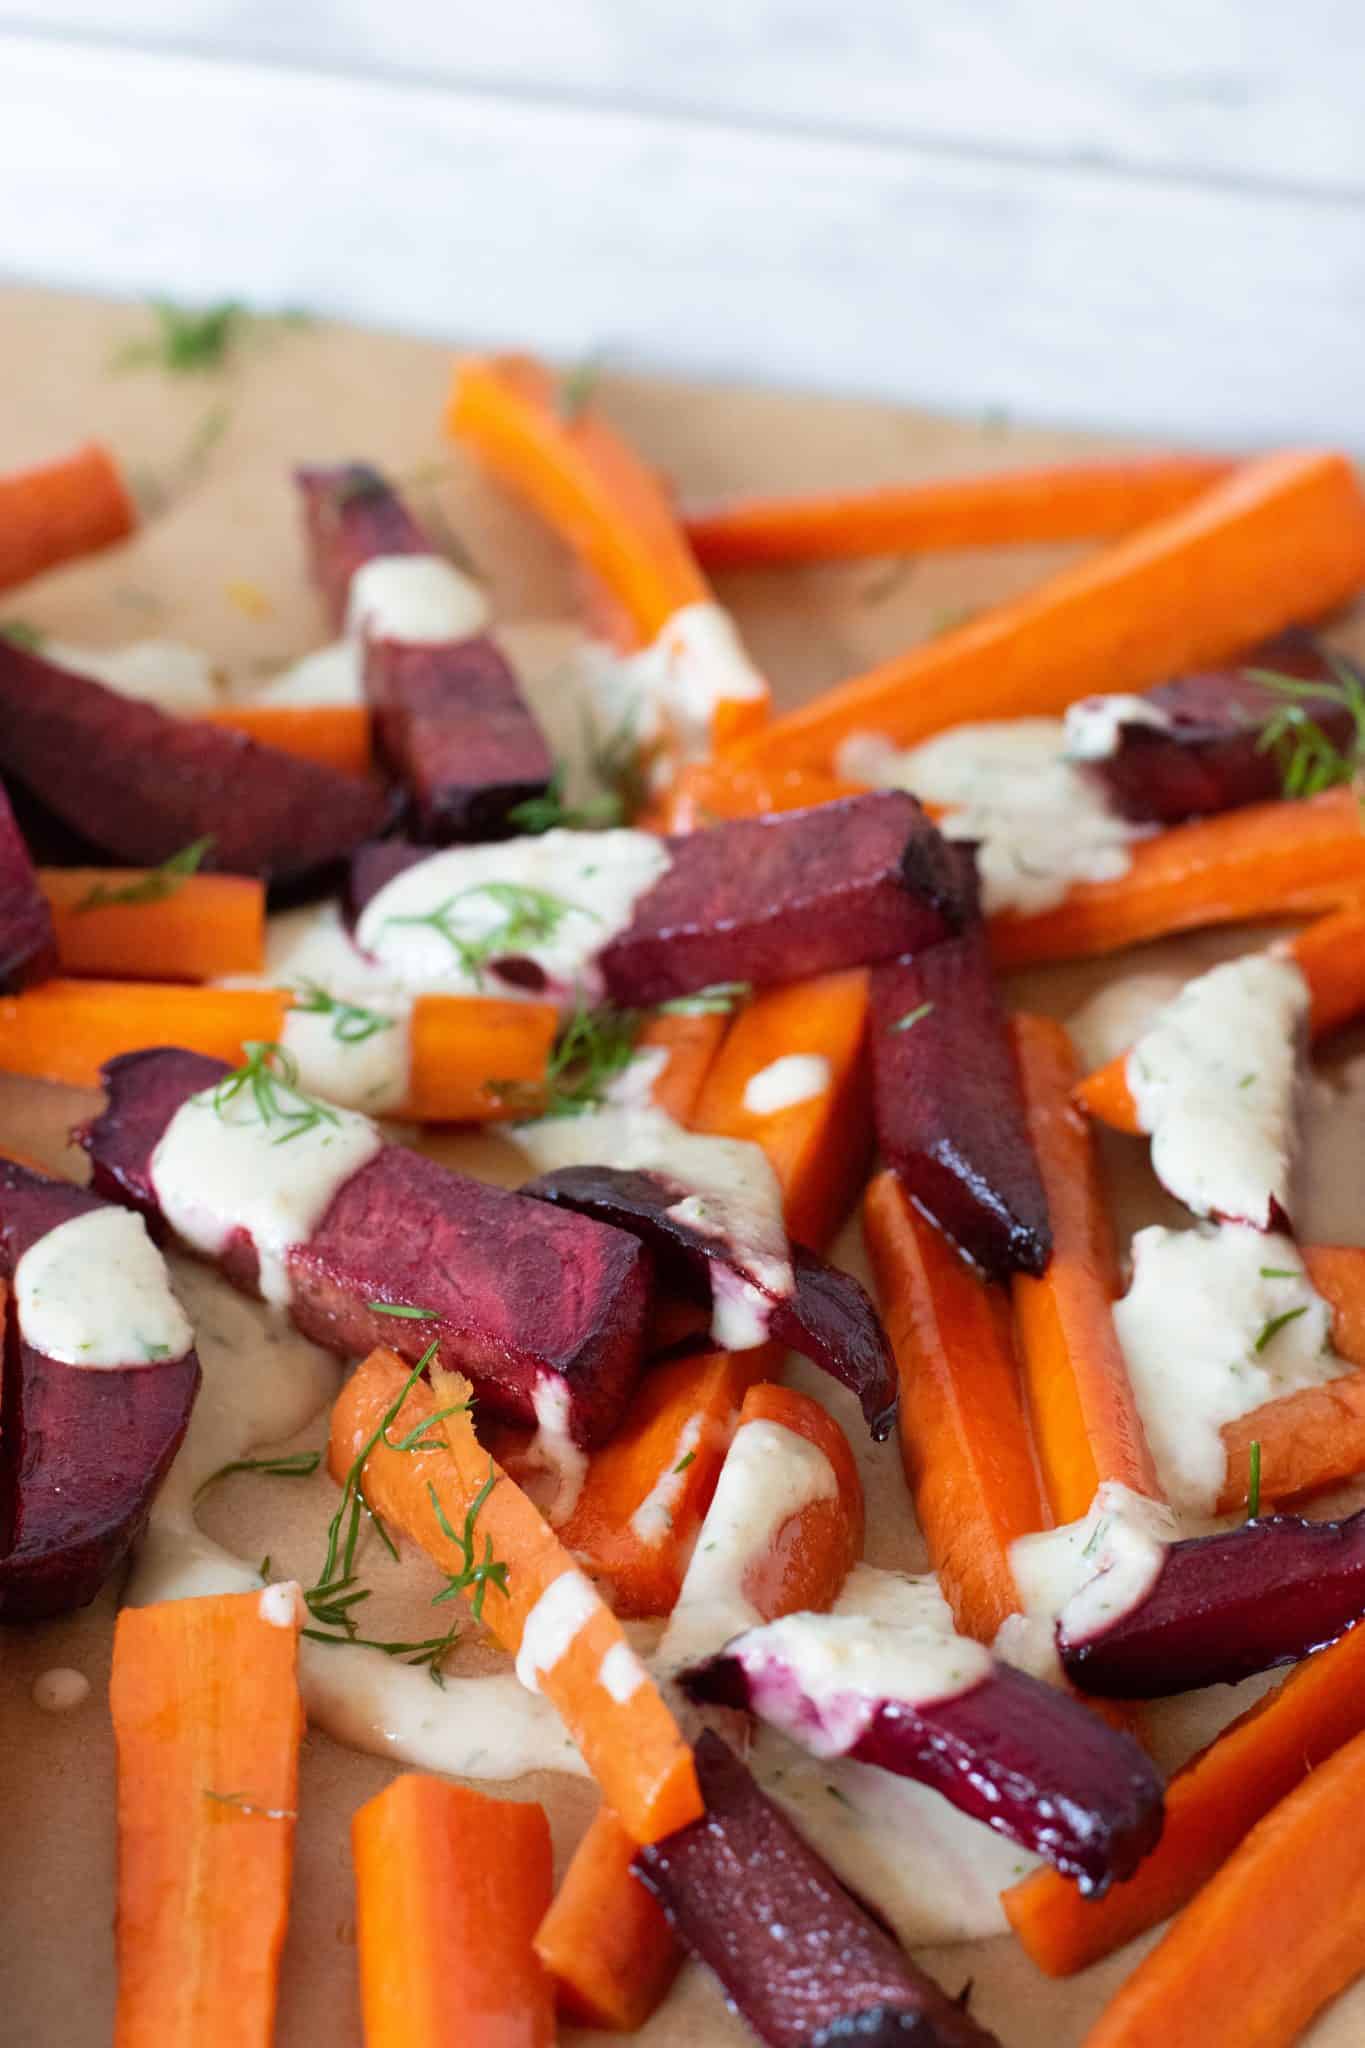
1145, 218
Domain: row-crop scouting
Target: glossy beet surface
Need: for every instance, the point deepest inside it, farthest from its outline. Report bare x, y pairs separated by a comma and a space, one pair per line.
949, 1112
1210, 759
520, 1294
350, 515
454, 728
28, 947
775, 899
1030, 1761
796, 1955
82, 1449
138, 785
1227, 1605
829, 1318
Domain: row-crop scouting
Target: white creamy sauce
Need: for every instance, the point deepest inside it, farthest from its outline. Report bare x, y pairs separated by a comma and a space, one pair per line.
565, 1608
60, 1690
165, 673
1041, 823
556, 899
281, 1605
770, 1474
622, 1673
219, 1168
1213, 1079
553, 1451
95, 1292
1203, 1342
652, 1521
329, 675
795, 1077
1095, 725
1086, 1571
417, 598
697, 663
733, 1195
634, 1086
1105, 1027
357, 1055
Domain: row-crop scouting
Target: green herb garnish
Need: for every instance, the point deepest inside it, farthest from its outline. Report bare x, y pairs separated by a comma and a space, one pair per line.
1100, 1531
1280, 1273
592, 1048
684, 1462
270, 1078
1254, 1479
550, 812
716, 1001
186, 340
21, 633
401, 1308
157, 884
1276, 1324
475, 1575
530, 916
578, 387
289, 1465
913, 1017
352, 1024
1310, 760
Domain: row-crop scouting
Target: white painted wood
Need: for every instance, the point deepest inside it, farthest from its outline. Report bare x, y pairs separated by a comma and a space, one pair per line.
1248, 90
963, 282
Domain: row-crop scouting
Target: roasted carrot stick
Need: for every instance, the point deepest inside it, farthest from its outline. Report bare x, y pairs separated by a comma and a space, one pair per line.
1066, 501
1268, 860
1280, 540
1210, 1805
1273, 1936
1330, 953
459, 1045
964, 1436
206, 926
1085, 1420
59, 510
207, 1722
805, 1035
690, 1040
604, 1940
704, 792
631, 1744
450, 1886
337, 735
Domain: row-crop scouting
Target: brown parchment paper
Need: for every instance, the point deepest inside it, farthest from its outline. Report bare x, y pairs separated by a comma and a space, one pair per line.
221, 567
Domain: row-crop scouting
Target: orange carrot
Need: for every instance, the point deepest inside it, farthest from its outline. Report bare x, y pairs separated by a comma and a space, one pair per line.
209, 925
1279, 540
1272, 1937
817, 1549
632, 1746
690, 1039
1211, 1803
964, 1435
337, 735
704, 792
1065, 501
207, 1722
1085, 1420
460, 1045
645, 1492
58, 510
1267, 860
818, 1147
450, 1885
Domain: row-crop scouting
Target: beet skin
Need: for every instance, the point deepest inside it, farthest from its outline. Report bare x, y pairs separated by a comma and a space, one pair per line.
28, 946
775, 899
798, 1958
350, 515
82, 1449
522, 1294
949, 1112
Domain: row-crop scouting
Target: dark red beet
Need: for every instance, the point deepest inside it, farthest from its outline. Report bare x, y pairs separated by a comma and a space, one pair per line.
798, 1958
830, 1319
350, 515
1227, 1605
140, 785
803, 892
1209, 757
1030, 1761
374, 866
82, 1449
950, 1117
521, 1293
454, 727
28, 946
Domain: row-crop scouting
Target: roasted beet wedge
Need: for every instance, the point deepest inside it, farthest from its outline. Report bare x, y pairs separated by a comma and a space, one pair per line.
83, 1449
950, 1116
518, 1300
1225, 1606
797, 1957
1207, 755
454, 728
1030, 1761
350, 515
828, 1319
139, 785
803, 892
28, 946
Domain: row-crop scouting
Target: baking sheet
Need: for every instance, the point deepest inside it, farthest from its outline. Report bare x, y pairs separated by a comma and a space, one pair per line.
222, 567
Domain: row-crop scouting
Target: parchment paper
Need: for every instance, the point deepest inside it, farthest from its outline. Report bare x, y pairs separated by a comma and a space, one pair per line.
221, 567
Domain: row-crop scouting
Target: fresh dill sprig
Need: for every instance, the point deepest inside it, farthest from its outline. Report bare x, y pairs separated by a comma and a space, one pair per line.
719, 1000
688, 1458
1097, 1536
476, 1574
550, 811
270, 1077
352, 1024
289, 1465
1254, 1479
530, 916
1280, 1273
578, 387
22, 633
593, 1046
186, 339
913, 1017
1310, 759
1275, 1324
157, 884
402, 1309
